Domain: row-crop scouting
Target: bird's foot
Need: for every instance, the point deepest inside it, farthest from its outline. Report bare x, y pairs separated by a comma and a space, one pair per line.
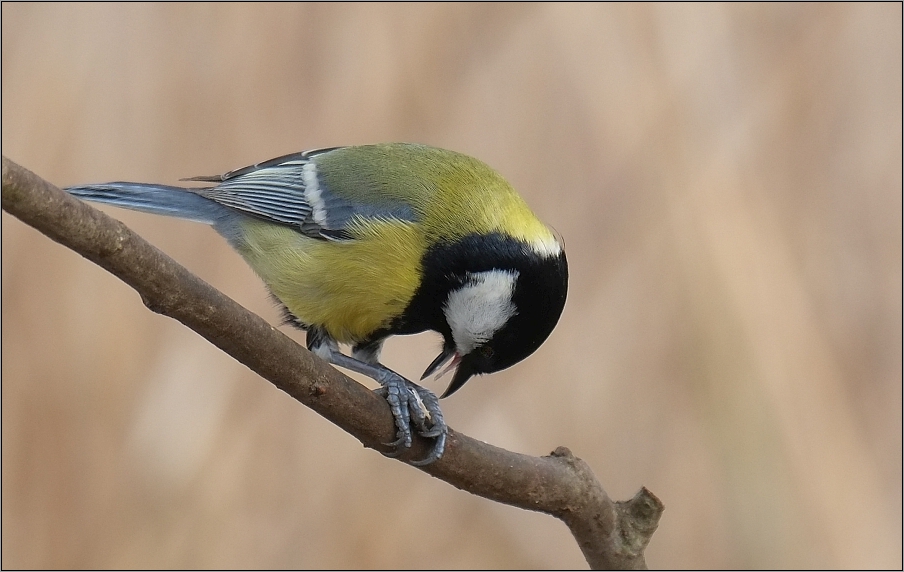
413, 405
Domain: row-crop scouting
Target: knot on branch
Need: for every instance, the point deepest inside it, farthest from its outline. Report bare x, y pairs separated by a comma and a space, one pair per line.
637, 520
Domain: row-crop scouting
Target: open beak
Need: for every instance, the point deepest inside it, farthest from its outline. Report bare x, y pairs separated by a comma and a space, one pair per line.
452, 360
447, 355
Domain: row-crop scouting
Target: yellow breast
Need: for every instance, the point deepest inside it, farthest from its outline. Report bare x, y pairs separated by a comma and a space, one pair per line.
350, 288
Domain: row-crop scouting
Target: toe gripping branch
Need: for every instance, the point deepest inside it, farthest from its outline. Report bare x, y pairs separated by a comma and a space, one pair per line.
411, 405
414, 405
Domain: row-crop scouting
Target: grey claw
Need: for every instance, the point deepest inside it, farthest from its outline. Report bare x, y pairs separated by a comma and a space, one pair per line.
438, 449
414, 405
393, 454
435, 432
396, 443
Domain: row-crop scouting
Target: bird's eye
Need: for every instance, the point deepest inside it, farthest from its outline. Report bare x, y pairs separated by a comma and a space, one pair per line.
487, 351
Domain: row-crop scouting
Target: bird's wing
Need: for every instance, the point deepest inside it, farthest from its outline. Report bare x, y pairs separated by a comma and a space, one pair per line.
289, 190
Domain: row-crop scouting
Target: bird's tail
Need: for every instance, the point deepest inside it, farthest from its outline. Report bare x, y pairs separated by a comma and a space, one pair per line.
155, 199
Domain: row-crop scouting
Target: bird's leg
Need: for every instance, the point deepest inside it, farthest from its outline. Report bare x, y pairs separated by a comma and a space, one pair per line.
410, 403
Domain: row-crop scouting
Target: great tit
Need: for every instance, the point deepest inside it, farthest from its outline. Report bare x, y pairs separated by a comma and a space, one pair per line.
361, 243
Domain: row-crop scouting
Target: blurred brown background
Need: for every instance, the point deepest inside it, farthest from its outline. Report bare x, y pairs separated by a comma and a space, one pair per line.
728, 182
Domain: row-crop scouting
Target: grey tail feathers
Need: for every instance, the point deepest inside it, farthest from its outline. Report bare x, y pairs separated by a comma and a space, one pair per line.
155, 199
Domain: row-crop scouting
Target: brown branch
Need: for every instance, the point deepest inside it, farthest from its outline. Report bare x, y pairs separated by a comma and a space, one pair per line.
610, 534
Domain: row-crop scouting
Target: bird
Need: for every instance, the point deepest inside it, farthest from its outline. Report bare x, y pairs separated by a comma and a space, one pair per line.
360, 243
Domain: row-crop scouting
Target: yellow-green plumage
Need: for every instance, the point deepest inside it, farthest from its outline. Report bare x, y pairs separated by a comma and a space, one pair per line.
342, 286
352, 288
475, 198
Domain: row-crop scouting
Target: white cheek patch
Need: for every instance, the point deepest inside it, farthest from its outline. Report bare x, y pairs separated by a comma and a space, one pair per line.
477, 310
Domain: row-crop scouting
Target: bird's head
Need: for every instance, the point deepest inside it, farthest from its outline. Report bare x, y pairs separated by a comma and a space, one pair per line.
498, 316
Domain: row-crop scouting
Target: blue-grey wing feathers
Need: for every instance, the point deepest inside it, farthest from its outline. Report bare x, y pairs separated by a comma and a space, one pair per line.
285, 190
154, 199
275, 193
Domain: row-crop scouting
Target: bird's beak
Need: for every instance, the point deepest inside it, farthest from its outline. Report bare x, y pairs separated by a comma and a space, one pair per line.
462, 374
446, 355
454, 359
